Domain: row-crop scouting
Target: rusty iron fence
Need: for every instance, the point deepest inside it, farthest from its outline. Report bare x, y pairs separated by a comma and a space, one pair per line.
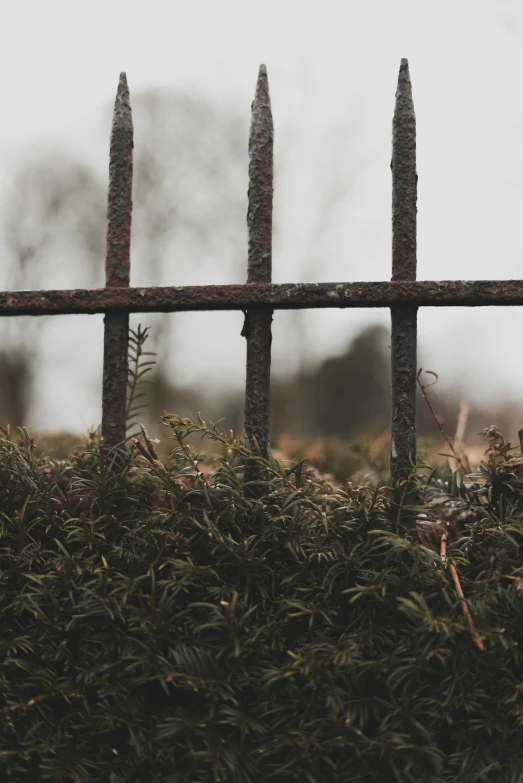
258, 298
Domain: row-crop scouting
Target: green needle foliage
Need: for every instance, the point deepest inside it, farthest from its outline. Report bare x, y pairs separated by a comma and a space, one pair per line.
138, 369
160, 627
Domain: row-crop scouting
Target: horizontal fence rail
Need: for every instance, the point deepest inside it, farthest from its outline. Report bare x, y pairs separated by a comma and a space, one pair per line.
274, 296
259, 297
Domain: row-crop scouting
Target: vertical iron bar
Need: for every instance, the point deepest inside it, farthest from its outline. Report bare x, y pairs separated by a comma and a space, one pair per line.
257, 327
117, 268
403, 317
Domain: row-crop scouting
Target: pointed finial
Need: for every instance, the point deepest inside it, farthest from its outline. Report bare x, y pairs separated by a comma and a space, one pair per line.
122, 117
404, 102
120, 189
261, 114
404, 180
259, 213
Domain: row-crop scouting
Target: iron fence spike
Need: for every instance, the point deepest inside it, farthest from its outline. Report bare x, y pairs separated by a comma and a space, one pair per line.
117, 267
403, 317
257, 327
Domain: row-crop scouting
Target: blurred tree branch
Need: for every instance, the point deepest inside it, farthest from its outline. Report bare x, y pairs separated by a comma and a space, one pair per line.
190, 204
189, 192
53, 232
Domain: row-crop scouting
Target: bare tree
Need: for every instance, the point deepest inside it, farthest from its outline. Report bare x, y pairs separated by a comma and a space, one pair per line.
52, 223
189, 192
190, 202
323, 166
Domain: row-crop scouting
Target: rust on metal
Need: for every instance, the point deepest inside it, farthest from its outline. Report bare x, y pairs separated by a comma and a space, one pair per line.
117, 268
272, 296
259, 211
257, 326
403, 317
404, 180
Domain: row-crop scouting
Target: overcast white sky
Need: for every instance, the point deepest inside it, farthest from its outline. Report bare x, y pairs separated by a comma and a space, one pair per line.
60, 63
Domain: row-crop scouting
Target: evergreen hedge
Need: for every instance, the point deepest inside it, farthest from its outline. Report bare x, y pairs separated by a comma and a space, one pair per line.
158, 626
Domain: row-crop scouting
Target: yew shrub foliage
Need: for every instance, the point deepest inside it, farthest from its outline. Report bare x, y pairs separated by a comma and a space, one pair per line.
159, 626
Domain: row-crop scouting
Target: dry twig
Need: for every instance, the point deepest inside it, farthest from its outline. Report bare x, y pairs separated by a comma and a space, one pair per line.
478, 641
436, 417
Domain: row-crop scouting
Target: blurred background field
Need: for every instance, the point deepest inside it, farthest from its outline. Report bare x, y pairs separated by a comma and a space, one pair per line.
343, 436
334, 459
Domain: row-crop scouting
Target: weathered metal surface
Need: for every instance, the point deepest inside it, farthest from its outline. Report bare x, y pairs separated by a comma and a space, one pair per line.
115, 375
404, 317
259, 210
117, 268
403, 418
404, 180
257, 327
272, 296
119, 203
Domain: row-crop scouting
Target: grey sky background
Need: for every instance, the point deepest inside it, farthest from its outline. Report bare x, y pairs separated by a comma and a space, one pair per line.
331, 65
